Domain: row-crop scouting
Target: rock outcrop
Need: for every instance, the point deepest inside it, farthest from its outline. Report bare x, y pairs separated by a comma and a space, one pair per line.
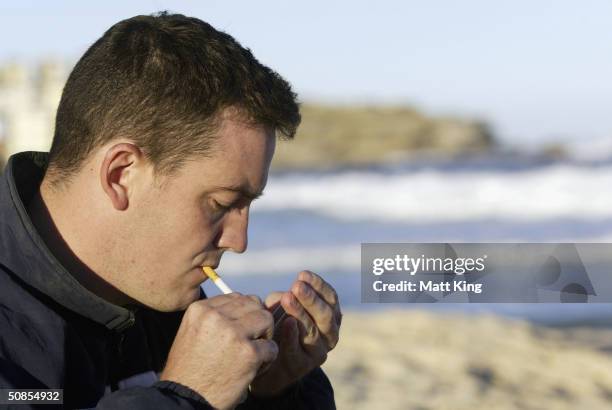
337, 136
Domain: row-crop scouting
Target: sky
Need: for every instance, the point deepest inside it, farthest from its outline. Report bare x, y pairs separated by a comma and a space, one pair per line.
537, 71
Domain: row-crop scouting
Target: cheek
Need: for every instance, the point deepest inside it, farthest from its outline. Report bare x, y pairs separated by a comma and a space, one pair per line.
189, 231
160, 231
175, 232
203, 232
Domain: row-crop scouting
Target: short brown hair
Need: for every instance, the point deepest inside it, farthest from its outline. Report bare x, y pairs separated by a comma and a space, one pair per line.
162, 81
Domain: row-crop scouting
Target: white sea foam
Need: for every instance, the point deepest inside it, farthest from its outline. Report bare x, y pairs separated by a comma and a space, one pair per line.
427, 195
591, 150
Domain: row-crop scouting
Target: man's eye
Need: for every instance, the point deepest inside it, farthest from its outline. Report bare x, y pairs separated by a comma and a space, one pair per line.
221, 207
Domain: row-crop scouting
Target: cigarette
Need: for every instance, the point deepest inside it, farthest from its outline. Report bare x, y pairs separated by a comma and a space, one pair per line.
210, 272
278, 314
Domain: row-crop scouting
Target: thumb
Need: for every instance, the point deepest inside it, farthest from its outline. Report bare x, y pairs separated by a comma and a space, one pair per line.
273, 299
290, 340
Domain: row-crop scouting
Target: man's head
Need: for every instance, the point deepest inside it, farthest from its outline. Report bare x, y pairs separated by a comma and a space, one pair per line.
162, 81
164, 134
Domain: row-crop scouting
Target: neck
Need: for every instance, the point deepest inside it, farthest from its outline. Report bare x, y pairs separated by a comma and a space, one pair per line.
66, 228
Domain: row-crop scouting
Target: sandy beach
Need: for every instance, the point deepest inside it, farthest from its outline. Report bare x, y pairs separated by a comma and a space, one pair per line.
419, 360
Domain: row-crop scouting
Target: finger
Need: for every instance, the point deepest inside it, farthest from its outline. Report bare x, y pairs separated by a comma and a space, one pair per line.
290, 342
308, 332
240, 306
267, 350
324, 289
273, 299
321, 312
258, 324
219, 300
256, 299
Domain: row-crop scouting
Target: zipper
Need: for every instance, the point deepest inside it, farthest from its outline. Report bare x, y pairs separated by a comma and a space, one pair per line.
116, 351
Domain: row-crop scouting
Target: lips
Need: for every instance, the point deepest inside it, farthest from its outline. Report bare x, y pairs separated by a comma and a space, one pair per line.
212, 265
211, 259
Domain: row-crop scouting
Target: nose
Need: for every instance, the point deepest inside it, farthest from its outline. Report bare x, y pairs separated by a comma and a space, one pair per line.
233, 234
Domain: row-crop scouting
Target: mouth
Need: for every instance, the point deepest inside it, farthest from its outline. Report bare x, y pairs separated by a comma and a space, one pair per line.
200, 268
210, 259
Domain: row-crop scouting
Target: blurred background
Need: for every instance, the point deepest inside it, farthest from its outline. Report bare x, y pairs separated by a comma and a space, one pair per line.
437, 121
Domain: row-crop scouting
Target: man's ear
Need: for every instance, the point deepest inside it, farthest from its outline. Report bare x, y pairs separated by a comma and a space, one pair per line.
115, 171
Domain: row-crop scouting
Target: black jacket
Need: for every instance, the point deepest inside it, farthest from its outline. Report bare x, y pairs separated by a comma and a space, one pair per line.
55, 334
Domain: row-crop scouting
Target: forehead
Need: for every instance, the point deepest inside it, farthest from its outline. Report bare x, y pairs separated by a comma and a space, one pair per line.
237, 139
239, 158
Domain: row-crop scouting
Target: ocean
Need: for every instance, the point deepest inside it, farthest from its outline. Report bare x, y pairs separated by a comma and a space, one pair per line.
317, 220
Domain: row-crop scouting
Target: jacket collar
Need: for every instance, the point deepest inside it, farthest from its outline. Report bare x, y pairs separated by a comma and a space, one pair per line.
23, 251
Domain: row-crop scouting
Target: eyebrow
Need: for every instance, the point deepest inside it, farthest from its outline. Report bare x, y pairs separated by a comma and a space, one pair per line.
245, 193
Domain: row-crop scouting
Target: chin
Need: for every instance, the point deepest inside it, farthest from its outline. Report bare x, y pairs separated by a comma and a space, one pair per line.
176, 301
187, 299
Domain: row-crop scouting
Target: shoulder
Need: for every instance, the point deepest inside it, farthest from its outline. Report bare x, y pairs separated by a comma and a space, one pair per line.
33, 336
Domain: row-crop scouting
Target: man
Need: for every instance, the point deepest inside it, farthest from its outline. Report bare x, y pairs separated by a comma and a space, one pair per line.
164, 135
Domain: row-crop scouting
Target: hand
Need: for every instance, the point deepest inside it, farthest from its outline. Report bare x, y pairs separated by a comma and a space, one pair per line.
305, 337
220, 346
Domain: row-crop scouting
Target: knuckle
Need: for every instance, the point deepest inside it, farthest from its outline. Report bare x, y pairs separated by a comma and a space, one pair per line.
296, 287
196, 306
305, 291
334, 296
237, 303
309, 275
195, 310
256, 299
317, 280
305, 275
267, 317
213, 317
